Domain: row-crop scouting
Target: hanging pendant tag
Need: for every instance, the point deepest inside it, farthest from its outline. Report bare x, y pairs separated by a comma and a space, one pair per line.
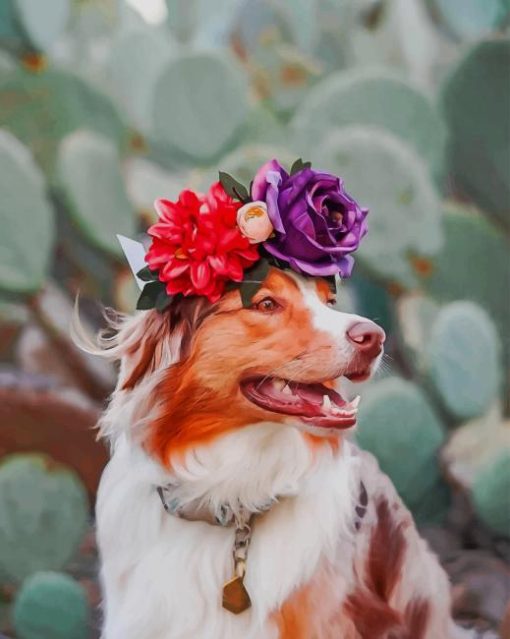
235, 596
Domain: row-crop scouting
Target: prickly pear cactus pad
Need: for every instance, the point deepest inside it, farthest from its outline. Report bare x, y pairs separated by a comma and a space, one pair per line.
490, 494
476, 103
408, 219
399, 426
27, 219
40, 109
200, 104
465, 359
373, 98
31, 24
43, 513
88, 175
51, 605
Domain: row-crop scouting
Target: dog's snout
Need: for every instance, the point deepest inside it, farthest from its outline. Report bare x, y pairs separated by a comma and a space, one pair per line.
366, 337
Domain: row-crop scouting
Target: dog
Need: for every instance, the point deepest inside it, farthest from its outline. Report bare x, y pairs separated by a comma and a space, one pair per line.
228, 421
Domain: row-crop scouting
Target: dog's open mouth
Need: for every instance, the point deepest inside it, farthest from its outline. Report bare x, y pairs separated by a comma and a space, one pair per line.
314, 404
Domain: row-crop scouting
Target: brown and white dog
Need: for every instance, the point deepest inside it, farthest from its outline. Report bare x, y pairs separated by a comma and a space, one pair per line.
233, 409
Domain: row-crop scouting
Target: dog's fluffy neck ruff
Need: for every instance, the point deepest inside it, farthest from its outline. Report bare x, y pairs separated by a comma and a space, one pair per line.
247, 467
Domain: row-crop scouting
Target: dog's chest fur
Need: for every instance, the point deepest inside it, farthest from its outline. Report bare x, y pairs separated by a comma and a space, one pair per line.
163, 576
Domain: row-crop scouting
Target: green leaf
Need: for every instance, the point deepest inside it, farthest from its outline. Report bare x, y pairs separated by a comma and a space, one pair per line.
163, 301
149, 295
248, 290
253, 280
299, 165
146, 275
234, 188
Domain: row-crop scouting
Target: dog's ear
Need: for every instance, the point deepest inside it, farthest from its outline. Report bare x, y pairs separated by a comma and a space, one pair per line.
144, 344
154, 341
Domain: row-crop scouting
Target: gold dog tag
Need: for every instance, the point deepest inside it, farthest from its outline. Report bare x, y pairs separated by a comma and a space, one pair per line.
235, 596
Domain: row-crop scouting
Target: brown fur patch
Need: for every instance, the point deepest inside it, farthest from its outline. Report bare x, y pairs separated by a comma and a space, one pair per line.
369, 605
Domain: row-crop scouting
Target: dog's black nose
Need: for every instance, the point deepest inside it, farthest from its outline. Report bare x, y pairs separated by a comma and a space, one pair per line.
366, 337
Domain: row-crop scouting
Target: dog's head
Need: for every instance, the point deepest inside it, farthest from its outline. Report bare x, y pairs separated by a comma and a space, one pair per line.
207, 369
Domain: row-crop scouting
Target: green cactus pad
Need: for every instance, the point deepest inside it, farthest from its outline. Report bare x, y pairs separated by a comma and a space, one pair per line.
373, 98
416, 314
40, 109
43, 513
372, 300
136, 59
398, 425
472, 264
471, 19
88, 174
27, 231
32, 24
476, 104
405, 213
51, 605
464, 357
200, 105
244, 162
490, 494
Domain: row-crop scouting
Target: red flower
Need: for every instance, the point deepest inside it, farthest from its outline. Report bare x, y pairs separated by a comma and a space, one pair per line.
197, 246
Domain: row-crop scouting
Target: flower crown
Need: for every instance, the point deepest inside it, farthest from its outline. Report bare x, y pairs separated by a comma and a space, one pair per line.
206, 244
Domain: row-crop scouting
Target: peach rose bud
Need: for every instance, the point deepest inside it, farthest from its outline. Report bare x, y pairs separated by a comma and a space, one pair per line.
253, 222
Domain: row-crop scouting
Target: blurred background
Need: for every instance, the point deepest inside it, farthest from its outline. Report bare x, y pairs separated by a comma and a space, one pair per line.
107, 104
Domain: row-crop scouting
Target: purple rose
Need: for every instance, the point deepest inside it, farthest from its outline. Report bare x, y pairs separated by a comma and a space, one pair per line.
317, 224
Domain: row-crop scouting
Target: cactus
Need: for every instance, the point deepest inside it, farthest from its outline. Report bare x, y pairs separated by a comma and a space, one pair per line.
244, 162
136, 59
40, 109
200, 104
471, 19
416, 314
88, 175
372, 98
464, 357
51, 605
27, 219
43, 512
372, 300
28, 25
474, 445
472, 264
398, 425
490, 494
146, 181
406, 214
262, 127
476, 103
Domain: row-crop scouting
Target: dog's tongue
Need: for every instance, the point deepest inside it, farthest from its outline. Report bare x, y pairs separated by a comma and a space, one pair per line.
313, 402
314, 394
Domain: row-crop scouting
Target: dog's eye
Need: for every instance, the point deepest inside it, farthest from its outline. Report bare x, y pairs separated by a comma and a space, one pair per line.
267, 305
331, 301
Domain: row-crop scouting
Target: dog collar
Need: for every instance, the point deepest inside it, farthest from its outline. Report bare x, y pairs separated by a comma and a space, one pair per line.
235, 597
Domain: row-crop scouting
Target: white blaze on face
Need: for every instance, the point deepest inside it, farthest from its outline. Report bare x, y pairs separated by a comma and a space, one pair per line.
325, 319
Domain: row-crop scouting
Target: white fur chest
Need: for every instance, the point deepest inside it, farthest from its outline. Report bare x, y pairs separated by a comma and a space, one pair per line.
163, 576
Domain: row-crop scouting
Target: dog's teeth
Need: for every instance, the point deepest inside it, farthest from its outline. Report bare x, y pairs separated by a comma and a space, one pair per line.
355, 402
287, 390
326, 402
279, 384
